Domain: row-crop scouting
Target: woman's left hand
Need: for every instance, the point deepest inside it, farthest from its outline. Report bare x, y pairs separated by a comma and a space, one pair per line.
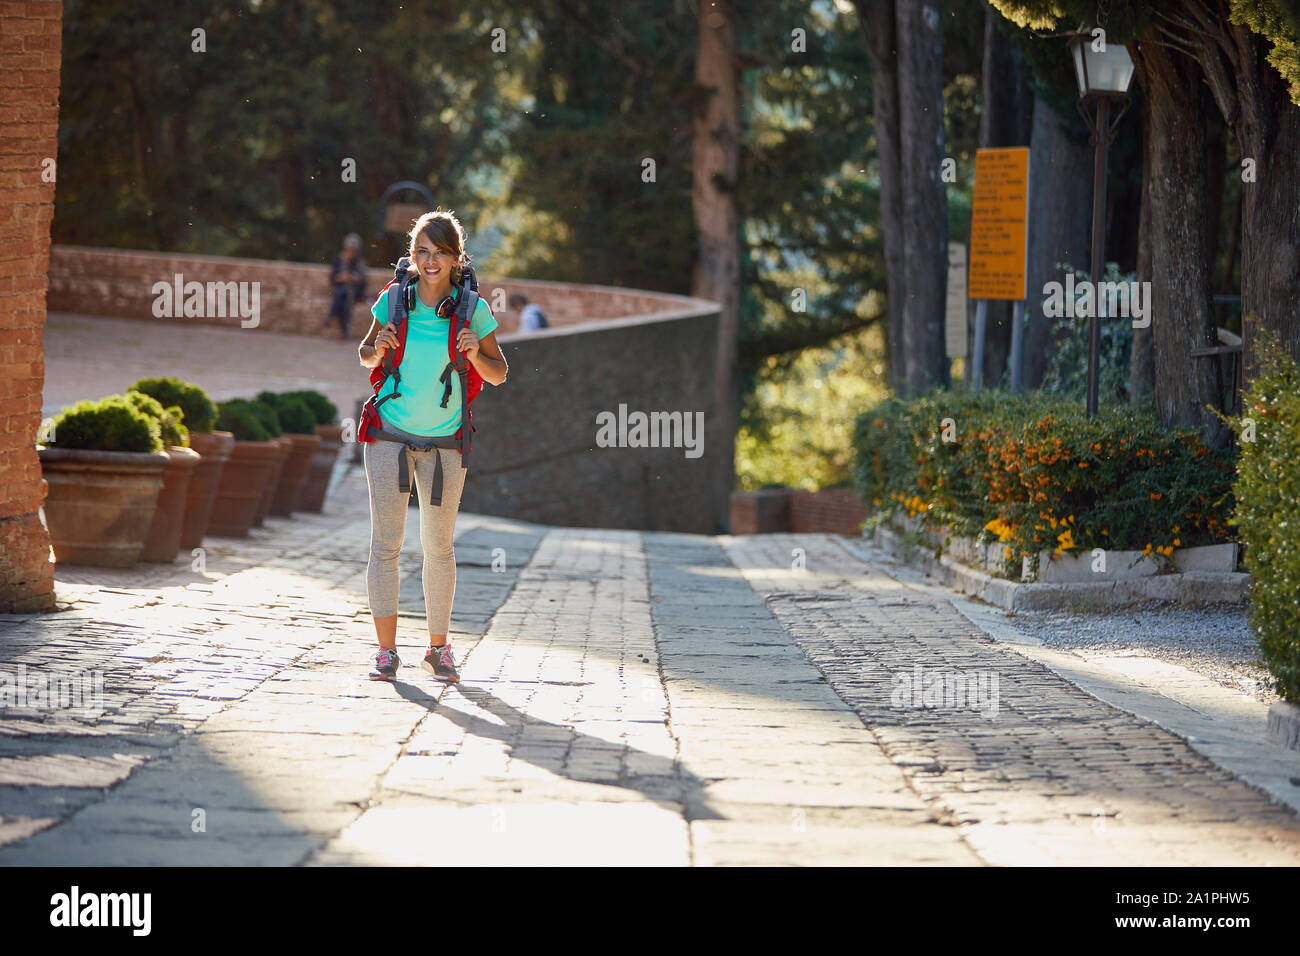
467, 342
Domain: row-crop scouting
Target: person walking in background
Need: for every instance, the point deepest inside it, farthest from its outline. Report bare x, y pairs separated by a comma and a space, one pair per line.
348, 282
531, 318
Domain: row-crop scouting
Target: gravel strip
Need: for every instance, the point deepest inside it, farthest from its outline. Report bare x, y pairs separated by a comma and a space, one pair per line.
1214, 641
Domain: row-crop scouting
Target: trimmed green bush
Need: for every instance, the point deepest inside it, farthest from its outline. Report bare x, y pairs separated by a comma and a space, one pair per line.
239, 417
199, 413
293, 414
169, 419
1268, 513
266, 414
321, 407
1038, 475
112, 423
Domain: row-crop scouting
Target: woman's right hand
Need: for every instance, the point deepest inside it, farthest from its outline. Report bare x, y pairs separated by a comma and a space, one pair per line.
385, 341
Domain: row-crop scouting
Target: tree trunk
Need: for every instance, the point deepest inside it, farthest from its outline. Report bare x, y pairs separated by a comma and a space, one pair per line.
1269, 133
1177, 223
1060, 218
1141, 359
1006, 119
1255, 101
876, 18
925, 211
715, 153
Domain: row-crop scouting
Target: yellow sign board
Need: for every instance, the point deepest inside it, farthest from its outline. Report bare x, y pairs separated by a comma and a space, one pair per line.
999, 218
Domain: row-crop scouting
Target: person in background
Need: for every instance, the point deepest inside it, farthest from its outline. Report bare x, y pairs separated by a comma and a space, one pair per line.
348, 281
531, 317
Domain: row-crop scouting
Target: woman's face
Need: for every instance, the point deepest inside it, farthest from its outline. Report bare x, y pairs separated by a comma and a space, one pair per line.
432, 262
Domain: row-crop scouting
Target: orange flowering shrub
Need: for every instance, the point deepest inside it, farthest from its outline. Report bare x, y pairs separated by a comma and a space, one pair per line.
1038, 475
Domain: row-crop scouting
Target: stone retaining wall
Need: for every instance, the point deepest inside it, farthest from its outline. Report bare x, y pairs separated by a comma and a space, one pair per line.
295, 296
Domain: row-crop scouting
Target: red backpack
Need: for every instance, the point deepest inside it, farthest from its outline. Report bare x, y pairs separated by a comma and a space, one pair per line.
401, 292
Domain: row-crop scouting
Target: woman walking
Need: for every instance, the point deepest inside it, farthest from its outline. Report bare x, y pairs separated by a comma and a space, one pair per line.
421, 409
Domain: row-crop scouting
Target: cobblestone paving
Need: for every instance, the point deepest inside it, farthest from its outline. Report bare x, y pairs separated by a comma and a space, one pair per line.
627, 698
1054, 776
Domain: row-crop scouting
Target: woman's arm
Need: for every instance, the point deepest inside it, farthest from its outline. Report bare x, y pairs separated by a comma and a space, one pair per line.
485, 354
378, 340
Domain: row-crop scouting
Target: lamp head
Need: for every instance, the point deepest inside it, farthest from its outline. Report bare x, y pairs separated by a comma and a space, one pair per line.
1100, 68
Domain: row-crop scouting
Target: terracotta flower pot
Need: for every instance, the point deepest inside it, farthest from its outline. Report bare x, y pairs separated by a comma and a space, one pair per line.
100, 504
213, 450
285, 444
164, 537
302, 448
243, 480
317, 484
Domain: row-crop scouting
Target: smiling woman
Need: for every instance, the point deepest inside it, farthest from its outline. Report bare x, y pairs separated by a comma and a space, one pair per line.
421, 415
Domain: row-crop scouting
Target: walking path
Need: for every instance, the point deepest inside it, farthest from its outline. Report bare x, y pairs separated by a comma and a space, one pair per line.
637, 698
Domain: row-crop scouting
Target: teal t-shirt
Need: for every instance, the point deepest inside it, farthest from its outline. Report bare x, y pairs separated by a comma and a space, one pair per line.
418, 406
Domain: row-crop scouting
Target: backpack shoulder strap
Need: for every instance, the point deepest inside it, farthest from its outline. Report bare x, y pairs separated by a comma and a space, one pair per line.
397, 312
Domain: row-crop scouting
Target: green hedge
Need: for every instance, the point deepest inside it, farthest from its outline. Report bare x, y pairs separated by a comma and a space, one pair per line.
1038, 475
1268, 514
112, 423
169, 419
244, 419
324, 411
294, 415
199, 413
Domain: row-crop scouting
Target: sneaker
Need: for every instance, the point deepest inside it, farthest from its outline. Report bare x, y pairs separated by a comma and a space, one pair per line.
386, 664
440, 664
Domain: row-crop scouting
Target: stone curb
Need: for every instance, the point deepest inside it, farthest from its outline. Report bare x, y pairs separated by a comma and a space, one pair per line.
1189, 587
1284, 725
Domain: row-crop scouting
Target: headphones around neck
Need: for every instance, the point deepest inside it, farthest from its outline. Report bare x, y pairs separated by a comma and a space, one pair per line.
447, 307
444, 310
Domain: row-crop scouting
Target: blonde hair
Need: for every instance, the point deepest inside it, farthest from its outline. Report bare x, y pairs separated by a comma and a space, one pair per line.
443, 229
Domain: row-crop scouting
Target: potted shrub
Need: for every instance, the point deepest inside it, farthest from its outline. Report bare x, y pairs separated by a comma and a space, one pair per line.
199, 416
321, 471
298, 424
247, 471
104, 464
271, 423
164, 537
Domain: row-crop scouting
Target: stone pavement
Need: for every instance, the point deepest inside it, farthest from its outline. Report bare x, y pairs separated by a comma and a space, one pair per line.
628, 698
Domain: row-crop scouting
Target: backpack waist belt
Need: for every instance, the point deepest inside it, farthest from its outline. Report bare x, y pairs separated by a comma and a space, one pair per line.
418, 444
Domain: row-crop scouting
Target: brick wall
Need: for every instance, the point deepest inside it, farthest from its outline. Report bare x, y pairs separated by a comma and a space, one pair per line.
830, 511
30, 45
294, 296
535, 455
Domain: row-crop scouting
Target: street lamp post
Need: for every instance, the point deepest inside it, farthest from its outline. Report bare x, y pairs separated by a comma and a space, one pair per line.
1103, 72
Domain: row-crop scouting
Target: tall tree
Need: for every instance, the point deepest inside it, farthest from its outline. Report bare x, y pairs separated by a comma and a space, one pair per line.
715, 156
1176, 229
905, 41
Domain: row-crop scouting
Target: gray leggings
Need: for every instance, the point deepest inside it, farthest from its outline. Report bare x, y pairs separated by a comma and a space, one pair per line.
388, 508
